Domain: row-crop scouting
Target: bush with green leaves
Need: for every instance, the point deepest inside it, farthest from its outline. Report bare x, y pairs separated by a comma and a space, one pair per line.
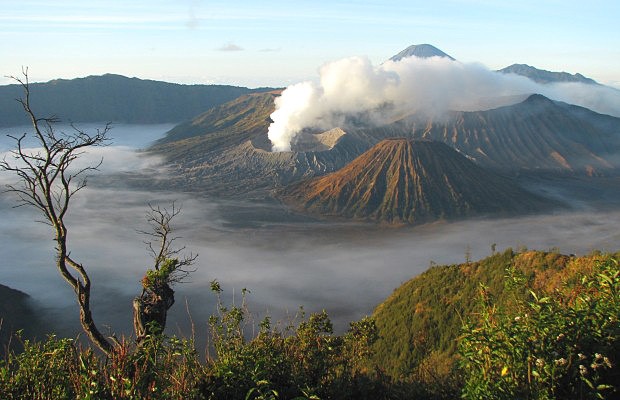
160, 368
303, 360
51, 369
563, 345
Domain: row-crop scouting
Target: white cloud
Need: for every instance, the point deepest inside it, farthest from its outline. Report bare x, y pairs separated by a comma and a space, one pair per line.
353, 86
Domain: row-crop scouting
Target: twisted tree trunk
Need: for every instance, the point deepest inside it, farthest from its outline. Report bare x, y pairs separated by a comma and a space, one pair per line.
150, 310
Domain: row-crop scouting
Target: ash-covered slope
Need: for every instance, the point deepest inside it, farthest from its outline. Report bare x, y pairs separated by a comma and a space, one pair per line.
226, 151
411, 181
537, 135
241, 118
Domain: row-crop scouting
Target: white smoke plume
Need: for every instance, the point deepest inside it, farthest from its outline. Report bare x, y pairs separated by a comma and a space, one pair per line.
354, 87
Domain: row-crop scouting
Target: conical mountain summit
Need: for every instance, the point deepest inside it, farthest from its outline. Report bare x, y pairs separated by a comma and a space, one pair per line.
411, 181
421, 51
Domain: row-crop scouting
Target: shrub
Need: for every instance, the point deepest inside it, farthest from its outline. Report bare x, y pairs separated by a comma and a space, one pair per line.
564, 345
304, 360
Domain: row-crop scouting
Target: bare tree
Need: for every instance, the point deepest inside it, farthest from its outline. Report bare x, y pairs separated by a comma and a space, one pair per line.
48, 181
151, 307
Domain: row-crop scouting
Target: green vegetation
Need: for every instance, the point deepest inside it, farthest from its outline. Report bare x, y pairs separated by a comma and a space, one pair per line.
530, 325
423, 317
559, 345
304, 360
420, 323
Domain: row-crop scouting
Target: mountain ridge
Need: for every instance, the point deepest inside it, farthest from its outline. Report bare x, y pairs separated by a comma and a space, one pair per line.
544, 76
535, 135
115, 98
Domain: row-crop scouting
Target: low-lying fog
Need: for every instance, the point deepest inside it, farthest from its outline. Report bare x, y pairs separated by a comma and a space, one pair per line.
346, 269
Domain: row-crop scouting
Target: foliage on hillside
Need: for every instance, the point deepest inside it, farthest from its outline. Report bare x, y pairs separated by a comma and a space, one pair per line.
303, 360
535, 325
562, 344
421, 320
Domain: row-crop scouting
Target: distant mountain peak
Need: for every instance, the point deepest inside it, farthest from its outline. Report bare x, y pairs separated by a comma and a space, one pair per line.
543, 76
537, 98
421, 51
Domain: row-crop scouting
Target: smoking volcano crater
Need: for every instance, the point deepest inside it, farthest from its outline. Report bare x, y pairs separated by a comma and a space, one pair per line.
306, 141
227, 151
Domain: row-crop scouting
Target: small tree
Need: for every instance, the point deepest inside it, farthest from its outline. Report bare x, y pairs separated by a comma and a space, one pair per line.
151, 307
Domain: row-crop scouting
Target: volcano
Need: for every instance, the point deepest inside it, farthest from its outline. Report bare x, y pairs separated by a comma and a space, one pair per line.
226, 151
420, 51
538, 135
411, 181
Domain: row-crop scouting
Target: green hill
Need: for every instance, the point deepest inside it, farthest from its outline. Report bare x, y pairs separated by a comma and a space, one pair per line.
420, 322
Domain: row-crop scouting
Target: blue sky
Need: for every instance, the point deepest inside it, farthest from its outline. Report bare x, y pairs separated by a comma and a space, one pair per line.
278, 42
